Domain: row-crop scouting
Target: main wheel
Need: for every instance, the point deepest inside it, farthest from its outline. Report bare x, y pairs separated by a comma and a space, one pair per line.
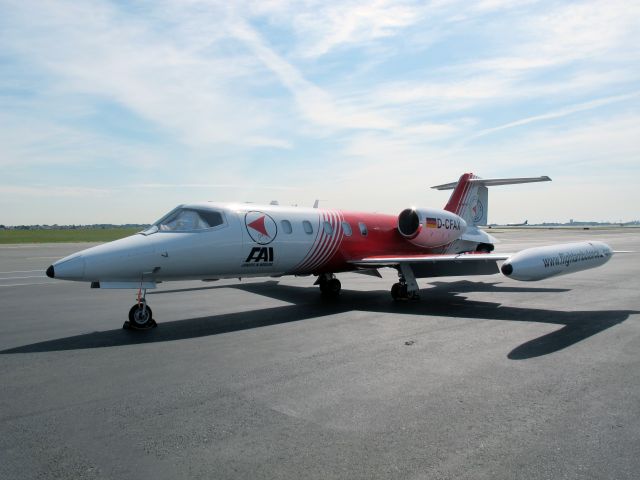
331, 288
141, 317
399, 291
485, 248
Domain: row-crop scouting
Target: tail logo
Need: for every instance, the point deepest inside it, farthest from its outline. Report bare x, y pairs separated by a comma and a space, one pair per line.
261, 227
477, 210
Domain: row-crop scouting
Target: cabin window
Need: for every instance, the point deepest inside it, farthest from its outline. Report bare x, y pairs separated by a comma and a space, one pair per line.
328, 229
346, 228
286, 226
363, 229
308, 228
190, 219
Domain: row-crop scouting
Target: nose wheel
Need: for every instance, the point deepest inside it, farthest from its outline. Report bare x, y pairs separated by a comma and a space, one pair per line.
140, 315
140, 318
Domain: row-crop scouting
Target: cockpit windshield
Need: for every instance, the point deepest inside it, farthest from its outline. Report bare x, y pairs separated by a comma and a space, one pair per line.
184, 219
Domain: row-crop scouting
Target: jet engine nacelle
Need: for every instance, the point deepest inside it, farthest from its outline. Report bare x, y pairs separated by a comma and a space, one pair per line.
544, 262
430, 227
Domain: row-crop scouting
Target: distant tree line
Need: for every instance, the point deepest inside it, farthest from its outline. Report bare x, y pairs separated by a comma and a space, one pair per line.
95, 226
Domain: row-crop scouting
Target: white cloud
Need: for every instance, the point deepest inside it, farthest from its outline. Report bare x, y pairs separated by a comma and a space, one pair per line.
210, 186
48, 191
41, 142
92, 48
362, 93
489, 5
585, 29
328, 26
314, 104
593, 155
563, 112
564, 34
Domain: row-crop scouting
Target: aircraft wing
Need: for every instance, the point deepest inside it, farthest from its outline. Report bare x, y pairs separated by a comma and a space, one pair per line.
439, 265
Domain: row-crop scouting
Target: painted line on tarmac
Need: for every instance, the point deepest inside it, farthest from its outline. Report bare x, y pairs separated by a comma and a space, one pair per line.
22, 271
28, 284
20, 278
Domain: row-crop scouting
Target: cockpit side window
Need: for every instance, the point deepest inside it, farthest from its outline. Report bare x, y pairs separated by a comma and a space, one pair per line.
212, 218
190, 219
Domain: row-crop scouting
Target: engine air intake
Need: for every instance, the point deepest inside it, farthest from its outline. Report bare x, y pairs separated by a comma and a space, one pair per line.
409, 223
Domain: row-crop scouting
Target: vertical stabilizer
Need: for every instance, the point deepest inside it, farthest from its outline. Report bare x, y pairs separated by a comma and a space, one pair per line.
470, 196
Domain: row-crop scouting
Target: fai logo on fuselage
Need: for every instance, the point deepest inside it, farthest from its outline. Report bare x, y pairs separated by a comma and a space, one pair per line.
261, 227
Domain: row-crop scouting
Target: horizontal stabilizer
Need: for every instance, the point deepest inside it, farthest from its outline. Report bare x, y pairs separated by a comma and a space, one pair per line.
491, 182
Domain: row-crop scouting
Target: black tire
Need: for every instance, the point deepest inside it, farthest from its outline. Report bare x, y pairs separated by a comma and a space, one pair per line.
395, 291
331, 288
141, 318
399, 292
485, 248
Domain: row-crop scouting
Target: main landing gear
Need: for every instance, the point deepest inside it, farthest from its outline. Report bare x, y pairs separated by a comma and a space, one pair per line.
485, 247
329, 285
407, 288
140, 315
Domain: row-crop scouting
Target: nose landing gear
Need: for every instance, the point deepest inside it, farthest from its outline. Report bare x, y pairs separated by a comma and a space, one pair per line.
140, 315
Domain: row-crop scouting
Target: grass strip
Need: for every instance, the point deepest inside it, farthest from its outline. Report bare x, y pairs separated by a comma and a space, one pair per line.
61, 236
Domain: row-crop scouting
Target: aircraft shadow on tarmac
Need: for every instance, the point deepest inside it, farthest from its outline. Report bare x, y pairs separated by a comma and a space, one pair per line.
443, 300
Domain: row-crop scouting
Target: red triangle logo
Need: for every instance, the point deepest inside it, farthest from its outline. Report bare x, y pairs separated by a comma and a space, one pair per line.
258, 226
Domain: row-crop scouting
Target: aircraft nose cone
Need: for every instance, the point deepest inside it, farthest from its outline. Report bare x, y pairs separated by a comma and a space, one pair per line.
69, 269
50, 272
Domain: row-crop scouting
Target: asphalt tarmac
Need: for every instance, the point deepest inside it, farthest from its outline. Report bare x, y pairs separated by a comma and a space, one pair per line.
483, 378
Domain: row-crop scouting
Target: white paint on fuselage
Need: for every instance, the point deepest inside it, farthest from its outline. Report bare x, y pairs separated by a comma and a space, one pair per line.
219, 252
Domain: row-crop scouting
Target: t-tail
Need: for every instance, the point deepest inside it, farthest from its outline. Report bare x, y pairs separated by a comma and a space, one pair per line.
470, 197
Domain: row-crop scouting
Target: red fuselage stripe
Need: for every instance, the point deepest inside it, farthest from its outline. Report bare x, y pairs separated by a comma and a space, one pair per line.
334, 244
312, 248
321, 246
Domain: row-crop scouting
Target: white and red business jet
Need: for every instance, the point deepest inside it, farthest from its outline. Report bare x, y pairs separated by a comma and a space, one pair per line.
207, 241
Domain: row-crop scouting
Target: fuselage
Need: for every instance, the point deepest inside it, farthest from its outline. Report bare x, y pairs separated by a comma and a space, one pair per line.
240, 240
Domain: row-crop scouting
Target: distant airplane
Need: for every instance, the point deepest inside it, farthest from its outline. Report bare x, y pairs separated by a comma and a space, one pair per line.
526, 222
210, 241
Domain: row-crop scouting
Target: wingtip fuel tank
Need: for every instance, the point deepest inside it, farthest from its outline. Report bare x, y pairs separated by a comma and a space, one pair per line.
539, 263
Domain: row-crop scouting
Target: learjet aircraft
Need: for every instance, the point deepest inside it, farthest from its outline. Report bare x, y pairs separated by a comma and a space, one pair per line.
211, 241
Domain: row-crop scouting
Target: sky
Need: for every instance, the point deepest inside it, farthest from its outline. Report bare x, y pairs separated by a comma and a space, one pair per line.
116, 112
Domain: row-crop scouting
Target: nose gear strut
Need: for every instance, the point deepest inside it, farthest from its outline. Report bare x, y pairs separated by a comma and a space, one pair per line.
140, 315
